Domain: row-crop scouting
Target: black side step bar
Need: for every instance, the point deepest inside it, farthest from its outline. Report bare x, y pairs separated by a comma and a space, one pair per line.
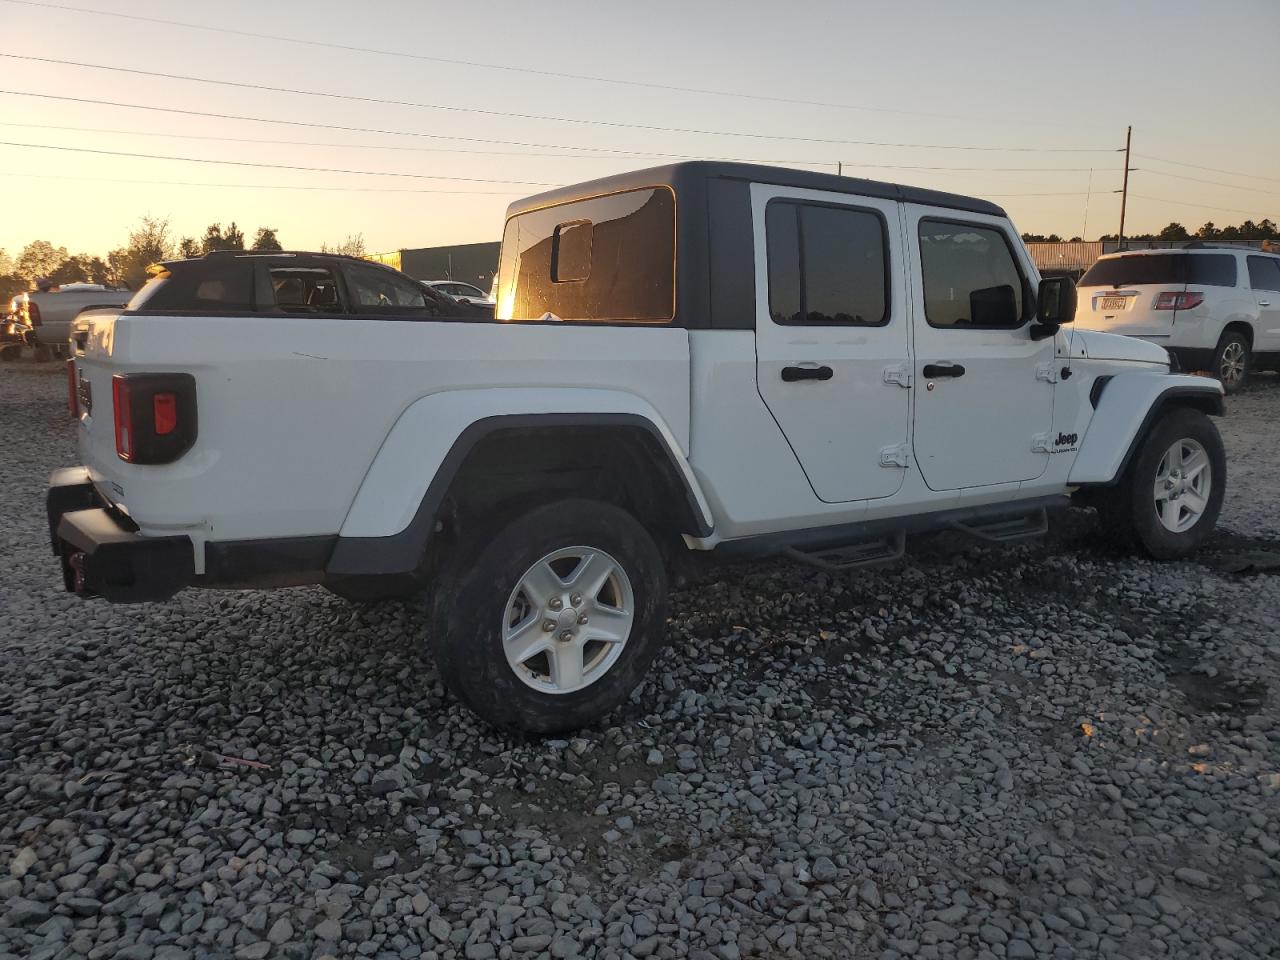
1003, 529
836, 558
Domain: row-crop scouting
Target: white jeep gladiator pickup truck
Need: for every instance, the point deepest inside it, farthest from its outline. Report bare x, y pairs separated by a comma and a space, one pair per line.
703, 356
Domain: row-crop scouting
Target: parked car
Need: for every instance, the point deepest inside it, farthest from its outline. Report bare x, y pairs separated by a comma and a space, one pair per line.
1214, 308
781, 362
462, 291
322, 284
50, 313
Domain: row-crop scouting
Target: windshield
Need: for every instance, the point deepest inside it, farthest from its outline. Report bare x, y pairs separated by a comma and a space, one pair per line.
1205, 269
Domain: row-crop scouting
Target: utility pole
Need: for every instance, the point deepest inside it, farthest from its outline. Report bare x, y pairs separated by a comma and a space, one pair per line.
839, 168
1124, 189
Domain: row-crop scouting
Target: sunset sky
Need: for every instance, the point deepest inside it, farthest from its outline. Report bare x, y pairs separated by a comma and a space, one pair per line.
1196, 80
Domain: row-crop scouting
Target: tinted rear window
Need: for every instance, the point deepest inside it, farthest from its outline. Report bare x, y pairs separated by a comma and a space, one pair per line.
1205, 269
608, 258
226, 285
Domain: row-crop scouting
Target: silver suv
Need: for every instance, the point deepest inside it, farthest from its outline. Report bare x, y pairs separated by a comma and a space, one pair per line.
1214, 308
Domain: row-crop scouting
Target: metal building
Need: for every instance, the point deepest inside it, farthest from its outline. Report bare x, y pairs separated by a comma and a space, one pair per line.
474, 263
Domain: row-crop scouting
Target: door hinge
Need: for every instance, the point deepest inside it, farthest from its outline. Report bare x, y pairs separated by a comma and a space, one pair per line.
1040, 443
1048, 372
895, 456
900, 374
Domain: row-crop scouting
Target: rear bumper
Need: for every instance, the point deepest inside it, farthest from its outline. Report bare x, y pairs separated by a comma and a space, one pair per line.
101, 552
104, 555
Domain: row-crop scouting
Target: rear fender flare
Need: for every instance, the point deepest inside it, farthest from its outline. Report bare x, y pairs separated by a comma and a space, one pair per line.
1127, 407
395, 510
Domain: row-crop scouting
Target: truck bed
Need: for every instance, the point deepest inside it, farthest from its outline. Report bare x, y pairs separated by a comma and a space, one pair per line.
293, 410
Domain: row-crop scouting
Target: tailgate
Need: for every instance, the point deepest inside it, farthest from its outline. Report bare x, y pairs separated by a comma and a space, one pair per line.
1128, 310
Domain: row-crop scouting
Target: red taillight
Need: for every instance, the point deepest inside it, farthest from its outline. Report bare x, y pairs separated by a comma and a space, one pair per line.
155, 416
164, 413
124, 419
1171, 300
33, 314
73, 401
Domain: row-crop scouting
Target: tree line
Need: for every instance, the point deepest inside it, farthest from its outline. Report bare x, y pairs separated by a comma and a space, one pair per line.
151, 241
1263, 230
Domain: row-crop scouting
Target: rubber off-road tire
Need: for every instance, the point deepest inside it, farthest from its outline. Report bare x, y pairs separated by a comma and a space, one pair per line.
1232, 361
471, 604
1128, 511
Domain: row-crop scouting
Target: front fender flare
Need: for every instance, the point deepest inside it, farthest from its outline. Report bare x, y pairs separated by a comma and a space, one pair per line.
395, 510
1126, 408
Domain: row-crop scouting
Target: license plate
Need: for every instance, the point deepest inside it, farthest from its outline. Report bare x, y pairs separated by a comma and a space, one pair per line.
1112, 303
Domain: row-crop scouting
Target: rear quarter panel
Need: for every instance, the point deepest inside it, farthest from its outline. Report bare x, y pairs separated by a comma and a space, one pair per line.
294, 410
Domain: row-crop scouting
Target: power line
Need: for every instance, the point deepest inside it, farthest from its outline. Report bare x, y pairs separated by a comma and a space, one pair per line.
311, 143
508, 68
512, 153
346, 189
1203, 206
264, 186
271, 166
1215, 183
617, 124
315, 125
608, 153
1196, 166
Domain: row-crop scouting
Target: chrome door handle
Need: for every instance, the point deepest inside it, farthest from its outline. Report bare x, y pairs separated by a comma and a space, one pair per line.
1264, 303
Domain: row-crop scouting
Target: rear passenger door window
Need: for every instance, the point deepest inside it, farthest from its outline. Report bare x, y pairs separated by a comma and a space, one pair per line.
827, 265
382, 292
297, 289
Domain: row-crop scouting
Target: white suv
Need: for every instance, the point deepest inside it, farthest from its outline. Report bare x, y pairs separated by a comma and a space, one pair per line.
1214, 308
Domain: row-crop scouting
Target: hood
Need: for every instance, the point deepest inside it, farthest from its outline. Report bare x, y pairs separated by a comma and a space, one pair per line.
1112, 346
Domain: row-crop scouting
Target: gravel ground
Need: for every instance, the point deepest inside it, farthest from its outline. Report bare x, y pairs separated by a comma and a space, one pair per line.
1055, 750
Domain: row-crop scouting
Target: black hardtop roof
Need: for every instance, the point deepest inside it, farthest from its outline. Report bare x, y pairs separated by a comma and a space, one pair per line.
678, 175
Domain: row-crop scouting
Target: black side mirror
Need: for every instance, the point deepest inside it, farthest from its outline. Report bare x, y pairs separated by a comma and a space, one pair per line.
1056, 302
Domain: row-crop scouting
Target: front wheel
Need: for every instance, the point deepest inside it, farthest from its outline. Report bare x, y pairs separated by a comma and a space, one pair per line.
1232, 360
556, 618
1168, 499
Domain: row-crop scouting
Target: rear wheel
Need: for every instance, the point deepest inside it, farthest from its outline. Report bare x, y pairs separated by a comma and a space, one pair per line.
556, 618
1169, 498
1232, 360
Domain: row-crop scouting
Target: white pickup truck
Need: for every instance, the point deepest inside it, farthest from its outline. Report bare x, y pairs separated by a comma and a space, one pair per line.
710, 357
50, 313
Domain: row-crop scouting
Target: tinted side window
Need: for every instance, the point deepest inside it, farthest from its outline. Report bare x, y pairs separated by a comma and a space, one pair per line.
218, 285
606, 258
827, 265
1264, 273
970, 277
377, 291
304, 289
1212, 269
